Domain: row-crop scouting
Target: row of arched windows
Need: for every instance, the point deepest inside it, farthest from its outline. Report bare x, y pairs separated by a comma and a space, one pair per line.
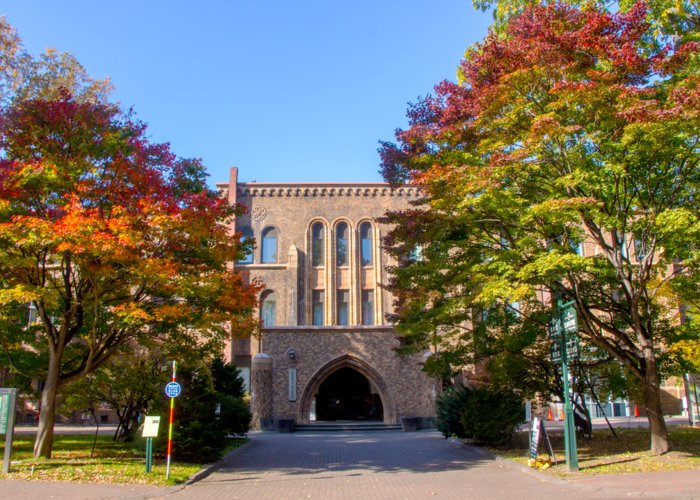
269, 237
337, 291
268, 245
342, 233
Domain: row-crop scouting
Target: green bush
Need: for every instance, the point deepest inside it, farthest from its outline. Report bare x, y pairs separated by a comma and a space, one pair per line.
198, 437
484, 414
449, 411
235, 415
491, 416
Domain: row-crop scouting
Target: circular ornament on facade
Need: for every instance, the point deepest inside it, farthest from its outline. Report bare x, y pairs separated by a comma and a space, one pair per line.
292, 355
259, 213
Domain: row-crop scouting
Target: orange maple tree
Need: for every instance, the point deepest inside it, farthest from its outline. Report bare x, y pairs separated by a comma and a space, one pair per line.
112, 240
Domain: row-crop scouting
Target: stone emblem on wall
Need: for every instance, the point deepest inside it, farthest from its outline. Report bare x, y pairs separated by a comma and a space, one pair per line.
292, 355
259, 213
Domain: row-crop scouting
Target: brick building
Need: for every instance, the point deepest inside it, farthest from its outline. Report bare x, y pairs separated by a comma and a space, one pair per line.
326, 351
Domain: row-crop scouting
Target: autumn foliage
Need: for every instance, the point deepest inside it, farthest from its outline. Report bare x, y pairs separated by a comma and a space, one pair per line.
112, 239
569, 125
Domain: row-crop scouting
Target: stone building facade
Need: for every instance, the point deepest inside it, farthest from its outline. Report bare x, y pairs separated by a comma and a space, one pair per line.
326, 351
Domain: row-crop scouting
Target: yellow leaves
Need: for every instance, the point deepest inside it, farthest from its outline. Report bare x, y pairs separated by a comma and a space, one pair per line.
132, 312
18, 294
539, 463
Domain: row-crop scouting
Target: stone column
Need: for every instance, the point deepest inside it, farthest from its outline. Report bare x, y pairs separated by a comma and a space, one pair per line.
261, 391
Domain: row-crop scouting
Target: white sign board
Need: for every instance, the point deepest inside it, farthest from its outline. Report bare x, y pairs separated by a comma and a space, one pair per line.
150, 427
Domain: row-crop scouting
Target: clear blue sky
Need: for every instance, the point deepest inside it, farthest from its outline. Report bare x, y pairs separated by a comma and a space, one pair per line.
286, 91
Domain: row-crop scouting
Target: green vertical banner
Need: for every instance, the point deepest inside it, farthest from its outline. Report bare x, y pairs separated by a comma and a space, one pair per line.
8, 398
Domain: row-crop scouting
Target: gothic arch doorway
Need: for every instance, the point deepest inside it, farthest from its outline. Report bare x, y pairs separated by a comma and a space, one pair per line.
347, 388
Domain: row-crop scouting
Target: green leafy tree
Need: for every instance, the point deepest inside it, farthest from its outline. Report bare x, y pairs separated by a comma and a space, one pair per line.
130, 383
567, 127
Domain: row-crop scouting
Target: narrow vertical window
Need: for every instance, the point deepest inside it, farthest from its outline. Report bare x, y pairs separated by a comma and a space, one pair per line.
341, 244
317, 305
247, 236
343, 307
639, 249
318, 246
268, 310
269, 245
367, 307
366, 244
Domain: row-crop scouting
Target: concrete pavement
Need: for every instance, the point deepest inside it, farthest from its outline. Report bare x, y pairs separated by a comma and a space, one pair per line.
381, 465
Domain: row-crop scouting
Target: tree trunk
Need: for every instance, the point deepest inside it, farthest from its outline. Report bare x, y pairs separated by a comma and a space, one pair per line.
652, 404
47, 418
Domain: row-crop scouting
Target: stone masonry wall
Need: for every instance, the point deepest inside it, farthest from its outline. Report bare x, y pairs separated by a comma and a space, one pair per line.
410, 390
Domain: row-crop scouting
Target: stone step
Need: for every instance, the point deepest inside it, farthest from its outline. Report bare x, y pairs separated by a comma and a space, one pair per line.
346, 427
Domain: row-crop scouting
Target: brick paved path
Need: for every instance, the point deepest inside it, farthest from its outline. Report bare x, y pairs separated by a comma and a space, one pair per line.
366, 466
381, 465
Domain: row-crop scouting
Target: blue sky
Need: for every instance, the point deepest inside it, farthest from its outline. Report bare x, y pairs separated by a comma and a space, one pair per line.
286, 91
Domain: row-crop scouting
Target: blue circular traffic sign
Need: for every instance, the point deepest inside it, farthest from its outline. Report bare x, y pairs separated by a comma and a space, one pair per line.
173, 389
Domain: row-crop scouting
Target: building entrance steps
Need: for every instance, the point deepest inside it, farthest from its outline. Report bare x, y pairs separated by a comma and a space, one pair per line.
346, 426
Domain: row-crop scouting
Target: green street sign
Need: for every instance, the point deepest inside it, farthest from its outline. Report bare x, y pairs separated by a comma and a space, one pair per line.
4, 412
569, 320
569, 344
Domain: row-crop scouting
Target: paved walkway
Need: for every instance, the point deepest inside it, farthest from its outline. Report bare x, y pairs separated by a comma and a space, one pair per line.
379, 465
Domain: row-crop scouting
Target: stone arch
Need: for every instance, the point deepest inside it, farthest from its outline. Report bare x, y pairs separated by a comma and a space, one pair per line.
362, 367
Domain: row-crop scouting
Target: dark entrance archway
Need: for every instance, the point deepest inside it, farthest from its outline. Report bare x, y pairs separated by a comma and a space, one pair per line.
346, 394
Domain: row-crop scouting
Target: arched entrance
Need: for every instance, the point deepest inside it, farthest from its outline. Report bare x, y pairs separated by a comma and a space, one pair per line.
346, 394
346, 388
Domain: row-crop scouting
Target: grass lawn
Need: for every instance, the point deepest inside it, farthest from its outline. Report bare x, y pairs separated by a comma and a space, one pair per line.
111, 463
606, 454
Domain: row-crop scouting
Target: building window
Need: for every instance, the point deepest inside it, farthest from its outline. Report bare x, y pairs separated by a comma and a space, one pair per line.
268, 310
269, 245
366, 244
317, 305
343, 307
317, 244
367, 307
341, 244
246, 235
639, 249
576, 247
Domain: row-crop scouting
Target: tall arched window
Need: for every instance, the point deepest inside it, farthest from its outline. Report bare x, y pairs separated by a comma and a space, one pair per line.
246, 235
366, 243
317, 244
341, 244
269, 245
268, 309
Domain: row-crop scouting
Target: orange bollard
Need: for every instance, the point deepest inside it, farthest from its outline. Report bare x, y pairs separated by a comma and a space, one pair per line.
549, 414
636, 410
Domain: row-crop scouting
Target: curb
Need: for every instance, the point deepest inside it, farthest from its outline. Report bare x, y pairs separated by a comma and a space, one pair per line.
209, 469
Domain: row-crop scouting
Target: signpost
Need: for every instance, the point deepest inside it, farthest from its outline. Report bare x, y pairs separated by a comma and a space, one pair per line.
563, 333
172, 390
8, 399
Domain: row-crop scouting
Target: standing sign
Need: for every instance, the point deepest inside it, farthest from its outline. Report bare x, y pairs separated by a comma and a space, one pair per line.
150, 430
150, 427
7, 423
537, 432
